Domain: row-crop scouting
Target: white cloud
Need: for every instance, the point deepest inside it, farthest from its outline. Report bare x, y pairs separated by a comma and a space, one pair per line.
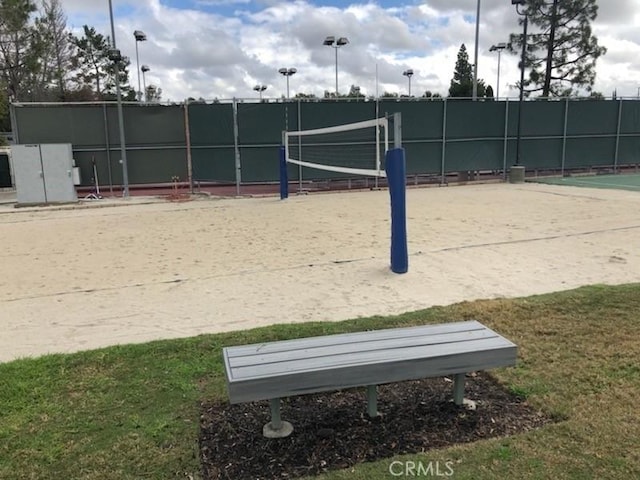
194, 52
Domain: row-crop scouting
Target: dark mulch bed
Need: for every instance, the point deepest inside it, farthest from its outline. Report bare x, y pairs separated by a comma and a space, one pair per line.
332, 431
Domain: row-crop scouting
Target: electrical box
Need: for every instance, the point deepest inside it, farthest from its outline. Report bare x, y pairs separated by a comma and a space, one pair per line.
44, 173
76, 176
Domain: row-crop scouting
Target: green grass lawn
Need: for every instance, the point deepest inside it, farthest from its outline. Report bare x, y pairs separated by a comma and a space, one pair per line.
132, 412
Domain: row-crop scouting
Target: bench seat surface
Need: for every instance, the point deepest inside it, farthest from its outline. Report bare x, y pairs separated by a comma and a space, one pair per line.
315, 364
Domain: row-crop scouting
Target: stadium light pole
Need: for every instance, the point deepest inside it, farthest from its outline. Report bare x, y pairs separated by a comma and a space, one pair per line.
287, 72
408, 73
498, 48
475, 59
336, 44
140, 36
144, 69
116, 58
260, 89
517, 3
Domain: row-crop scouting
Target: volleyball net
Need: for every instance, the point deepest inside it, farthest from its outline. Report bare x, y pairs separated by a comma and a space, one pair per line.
356, 149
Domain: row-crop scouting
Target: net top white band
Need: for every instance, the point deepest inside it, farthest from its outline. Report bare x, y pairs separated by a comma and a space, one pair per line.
341, 128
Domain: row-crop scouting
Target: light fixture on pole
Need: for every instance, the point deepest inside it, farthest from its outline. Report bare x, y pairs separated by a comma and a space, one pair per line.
522, 61
144, 69
475, 59
498, 48
336, 44
140, 37
408, 73
287, 72
260, 89
116, 58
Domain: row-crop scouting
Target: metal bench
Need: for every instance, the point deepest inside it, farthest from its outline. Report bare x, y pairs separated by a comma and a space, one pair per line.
271, 371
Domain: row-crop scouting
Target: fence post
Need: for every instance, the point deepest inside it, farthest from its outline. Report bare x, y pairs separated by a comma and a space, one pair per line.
615, 158
299, 146
107, 145
236, 146
187, 136
506, 139
284, 177
376, 114
564, 134
444, 141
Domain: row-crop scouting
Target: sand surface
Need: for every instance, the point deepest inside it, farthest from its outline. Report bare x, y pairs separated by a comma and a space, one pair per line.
81, 278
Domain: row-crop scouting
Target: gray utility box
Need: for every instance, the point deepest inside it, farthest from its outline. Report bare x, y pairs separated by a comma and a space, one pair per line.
44, 173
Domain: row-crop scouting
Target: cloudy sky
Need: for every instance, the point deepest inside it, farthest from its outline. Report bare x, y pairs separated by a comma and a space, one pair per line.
223, 48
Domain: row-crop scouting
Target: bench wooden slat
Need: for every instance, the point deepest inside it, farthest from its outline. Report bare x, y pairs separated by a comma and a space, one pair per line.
348, 359
382, 347
371, 335
313, 382
359, 367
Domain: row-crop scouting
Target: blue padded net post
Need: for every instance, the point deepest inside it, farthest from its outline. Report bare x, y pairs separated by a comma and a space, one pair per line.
284, 176
395, 166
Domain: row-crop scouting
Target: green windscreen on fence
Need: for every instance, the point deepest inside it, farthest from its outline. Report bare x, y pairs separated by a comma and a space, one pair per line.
212, 142
238, 141
154, 137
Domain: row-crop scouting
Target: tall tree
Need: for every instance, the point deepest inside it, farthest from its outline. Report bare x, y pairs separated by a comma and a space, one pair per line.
96, 70
127, 91
462, 82
91, 62
488, 92
354, 92
561, 55
58, 51
20, 48
5, 121
431, 96
153, 94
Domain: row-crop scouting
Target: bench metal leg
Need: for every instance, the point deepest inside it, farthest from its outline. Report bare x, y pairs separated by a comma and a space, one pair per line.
276, 428
458, 388
372, 401
276, 419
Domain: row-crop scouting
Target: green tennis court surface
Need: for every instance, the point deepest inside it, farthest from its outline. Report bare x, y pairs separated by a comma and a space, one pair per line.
622, 181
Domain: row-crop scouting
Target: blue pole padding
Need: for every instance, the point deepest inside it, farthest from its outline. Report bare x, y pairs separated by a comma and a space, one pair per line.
284, 177
396, 168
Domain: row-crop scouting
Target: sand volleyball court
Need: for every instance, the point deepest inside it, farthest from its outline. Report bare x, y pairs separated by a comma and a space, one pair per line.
87, 277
